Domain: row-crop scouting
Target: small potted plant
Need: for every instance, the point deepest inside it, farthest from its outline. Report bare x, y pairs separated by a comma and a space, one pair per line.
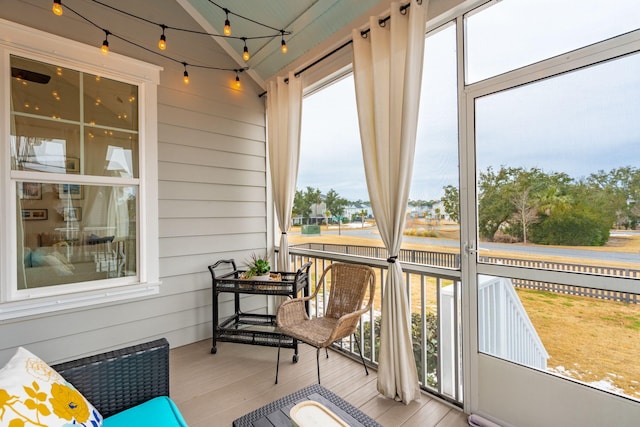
258, 268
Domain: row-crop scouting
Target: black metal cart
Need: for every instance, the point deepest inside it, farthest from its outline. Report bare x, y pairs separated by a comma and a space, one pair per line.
251, 328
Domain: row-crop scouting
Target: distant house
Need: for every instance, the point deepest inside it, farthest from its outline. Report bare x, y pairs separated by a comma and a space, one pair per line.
317, 215
354, 210
318, 211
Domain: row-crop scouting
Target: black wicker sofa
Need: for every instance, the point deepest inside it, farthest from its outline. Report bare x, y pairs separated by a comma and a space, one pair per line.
125, 379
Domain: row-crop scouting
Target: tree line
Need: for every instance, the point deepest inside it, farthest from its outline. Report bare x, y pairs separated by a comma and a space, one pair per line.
304, 201
530, 205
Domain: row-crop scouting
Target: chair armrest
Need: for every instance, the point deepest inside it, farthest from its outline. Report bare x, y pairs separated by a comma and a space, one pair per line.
120, 379
347, 324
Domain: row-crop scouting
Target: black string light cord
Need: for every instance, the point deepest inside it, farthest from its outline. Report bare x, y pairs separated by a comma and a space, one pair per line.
229, 12
164, 27
279, 32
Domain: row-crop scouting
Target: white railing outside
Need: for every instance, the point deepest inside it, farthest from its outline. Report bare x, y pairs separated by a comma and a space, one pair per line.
449, 338
436, 319
504, 328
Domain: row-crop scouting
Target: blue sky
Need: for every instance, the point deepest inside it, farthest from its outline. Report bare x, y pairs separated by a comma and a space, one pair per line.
557, 125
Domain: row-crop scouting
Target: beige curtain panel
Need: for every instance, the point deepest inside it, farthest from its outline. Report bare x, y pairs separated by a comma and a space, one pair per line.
284, 112
388, 74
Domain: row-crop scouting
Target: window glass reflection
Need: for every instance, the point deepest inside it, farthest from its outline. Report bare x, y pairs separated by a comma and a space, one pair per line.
50, 132
70, 233
45, 90
45, 146
113, 153
110, 103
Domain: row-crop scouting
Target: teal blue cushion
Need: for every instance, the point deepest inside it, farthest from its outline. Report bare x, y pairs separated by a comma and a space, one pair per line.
158, 412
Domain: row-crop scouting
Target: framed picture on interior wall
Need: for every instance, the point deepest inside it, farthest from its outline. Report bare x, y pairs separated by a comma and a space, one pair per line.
72, 165
34, 214
30, 190
71, 214
70, 191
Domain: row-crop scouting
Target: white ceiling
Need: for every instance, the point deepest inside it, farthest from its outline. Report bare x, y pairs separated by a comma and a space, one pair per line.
316, 26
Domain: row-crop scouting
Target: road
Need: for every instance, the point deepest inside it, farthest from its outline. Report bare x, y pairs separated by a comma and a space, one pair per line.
550, 251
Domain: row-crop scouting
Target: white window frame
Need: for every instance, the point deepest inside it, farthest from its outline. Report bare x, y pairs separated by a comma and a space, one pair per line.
19, 40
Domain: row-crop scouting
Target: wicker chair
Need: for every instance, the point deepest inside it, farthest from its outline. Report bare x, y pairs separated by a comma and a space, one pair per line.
348, 287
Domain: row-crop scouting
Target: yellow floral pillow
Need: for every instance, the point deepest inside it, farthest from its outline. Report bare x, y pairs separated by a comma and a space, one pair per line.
34, 395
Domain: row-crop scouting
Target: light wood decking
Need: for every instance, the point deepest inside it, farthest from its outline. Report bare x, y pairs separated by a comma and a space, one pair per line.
213, 390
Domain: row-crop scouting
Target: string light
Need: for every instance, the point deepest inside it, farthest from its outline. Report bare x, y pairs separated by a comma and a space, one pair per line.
162, 44
283, 44
245, 53
237, 82
227, 24
57, 7
185, 79
105, 43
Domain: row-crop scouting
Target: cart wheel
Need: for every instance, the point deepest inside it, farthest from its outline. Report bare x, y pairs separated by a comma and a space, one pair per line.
214, 350
295, 358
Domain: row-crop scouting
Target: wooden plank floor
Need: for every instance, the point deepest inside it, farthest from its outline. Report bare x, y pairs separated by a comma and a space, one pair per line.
213, 390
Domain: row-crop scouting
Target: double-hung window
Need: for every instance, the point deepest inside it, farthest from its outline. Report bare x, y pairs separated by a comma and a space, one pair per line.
79, 223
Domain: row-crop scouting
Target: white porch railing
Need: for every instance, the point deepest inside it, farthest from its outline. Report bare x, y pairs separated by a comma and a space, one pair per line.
434, 299
504, 328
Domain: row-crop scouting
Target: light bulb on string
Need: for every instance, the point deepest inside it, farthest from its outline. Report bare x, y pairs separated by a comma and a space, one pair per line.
57, 7
185, 79
245, 53
105, 43
162, 44
227, 24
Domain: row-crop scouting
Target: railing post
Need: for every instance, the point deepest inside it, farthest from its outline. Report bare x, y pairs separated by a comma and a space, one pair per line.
447, 340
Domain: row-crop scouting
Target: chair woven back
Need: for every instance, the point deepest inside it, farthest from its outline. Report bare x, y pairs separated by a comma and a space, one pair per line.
349, 283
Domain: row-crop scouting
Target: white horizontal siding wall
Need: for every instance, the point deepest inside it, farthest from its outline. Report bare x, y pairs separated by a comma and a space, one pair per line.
212, 174
212, 186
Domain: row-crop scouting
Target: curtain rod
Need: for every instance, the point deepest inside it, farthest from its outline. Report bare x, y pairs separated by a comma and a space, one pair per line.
382, 22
